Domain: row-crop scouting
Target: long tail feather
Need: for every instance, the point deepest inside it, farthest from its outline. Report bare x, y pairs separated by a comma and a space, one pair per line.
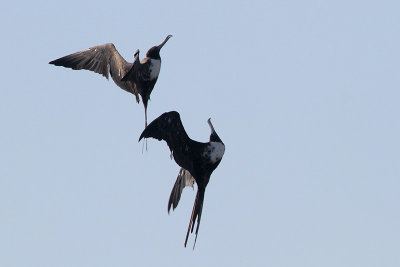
196, 213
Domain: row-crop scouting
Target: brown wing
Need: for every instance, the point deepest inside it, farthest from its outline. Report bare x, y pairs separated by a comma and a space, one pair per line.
101, 59
184, 179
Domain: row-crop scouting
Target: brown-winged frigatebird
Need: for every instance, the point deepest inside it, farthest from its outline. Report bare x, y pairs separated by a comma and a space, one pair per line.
105, 59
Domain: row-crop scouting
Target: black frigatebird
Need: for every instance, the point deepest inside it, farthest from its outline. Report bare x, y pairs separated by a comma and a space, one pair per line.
145, 74
197, 160
104, 59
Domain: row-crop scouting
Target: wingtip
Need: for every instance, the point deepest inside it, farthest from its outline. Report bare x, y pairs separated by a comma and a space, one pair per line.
141, 135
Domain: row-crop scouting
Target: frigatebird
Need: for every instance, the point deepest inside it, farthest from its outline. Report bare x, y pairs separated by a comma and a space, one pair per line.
197, 160
145, 74
104, 59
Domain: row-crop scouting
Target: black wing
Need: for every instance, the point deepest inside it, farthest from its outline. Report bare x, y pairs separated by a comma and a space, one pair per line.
101, 59
140, 71
168, 127
131, 74
184, 179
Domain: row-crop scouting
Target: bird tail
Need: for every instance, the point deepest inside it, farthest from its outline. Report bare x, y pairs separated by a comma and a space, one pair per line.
196, 213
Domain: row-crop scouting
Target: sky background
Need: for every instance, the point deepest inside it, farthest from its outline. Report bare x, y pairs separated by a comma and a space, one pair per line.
304, 94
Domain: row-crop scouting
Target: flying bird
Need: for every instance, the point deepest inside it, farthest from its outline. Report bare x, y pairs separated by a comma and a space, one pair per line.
197, 160
105, 59
144, 74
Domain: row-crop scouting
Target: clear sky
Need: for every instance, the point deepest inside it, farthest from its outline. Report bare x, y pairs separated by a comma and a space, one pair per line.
304, 94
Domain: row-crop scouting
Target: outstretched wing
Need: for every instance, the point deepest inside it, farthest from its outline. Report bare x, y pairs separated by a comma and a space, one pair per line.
139, 72
184, 179
131, 74
101, 59
168, 127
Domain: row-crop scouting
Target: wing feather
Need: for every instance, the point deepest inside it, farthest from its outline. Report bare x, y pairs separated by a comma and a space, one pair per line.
168, 127
131, 75
100, 59
184, 179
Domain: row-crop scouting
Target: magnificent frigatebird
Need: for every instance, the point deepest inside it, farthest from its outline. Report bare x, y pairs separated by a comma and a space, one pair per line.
198, 160
145, 74
104, 59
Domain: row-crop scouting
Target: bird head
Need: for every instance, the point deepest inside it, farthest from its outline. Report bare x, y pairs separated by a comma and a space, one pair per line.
154, 52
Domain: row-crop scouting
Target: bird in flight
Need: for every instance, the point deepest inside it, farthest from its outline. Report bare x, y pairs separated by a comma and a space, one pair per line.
197, 160
144, 73
105, 59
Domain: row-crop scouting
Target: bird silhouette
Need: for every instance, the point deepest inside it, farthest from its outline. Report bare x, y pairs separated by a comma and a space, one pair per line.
105, 60
197, 160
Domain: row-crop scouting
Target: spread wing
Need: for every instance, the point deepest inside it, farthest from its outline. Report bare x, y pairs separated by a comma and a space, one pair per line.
131, 75
168, 127
187, 153
140, 71
184, 179
101, 59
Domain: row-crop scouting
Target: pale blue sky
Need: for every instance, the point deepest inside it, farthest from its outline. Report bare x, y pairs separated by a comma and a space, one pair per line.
304, 94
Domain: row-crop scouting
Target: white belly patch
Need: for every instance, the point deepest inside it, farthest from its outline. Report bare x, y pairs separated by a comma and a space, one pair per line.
214, 151
155, 66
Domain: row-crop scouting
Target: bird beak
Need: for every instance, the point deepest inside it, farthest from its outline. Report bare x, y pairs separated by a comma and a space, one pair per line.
211, 126
163, 43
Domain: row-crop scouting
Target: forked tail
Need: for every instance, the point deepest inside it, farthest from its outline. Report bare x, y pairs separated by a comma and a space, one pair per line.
196, 213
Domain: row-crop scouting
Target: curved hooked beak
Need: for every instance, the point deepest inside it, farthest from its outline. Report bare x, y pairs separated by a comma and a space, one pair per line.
163, 43
211, 126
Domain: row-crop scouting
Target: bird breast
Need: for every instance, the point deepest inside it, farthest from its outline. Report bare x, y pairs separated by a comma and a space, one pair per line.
155, 66
214, 151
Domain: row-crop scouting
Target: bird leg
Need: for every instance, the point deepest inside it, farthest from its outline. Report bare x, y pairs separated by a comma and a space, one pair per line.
145, 126
143, 145
145, 121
